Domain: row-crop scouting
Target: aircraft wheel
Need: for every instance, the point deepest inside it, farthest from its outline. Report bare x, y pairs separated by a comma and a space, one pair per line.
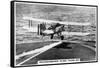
62, 37
51, 36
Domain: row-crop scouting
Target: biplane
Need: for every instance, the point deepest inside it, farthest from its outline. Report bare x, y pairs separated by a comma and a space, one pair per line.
57, 27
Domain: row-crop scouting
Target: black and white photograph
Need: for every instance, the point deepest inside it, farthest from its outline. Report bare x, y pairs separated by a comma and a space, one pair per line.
51, 33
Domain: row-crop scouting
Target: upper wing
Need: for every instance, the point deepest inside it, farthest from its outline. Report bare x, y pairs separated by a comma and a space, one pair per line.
51, 21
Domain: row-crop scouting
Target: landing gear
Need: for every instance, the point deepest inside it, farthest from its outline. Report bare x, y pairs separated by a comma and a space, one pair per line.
51, 36
62, 37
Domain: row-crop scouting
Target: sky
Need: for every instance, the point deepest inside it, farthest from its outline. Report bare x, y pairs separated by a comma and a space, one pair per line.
54, 12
